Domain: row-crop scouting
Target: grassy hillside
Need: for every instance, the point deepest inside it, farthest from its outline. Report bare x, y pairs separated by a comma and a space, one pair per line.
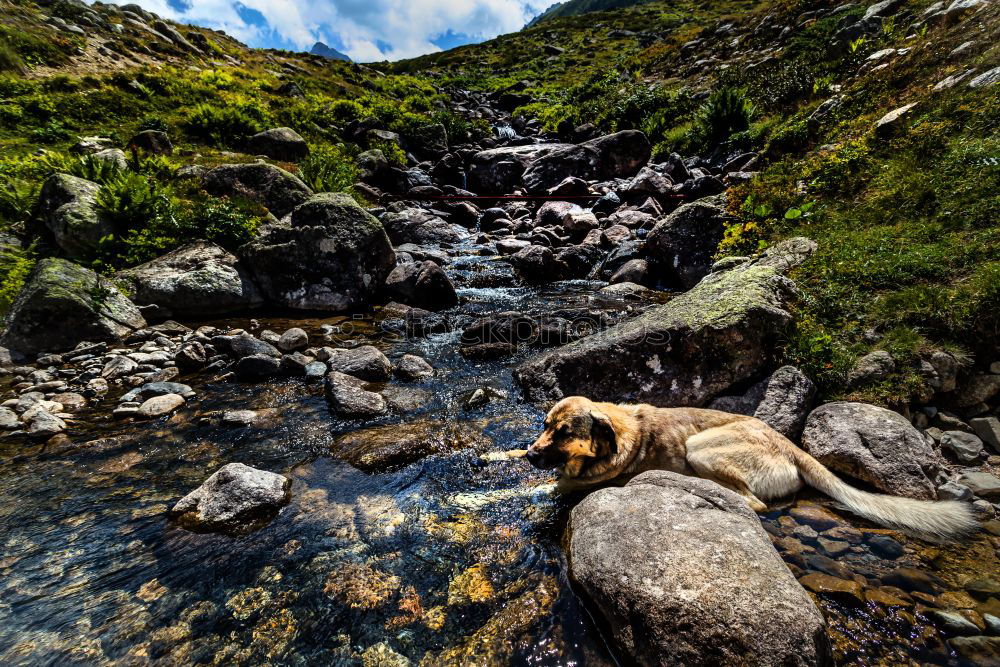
578, 7
906, 220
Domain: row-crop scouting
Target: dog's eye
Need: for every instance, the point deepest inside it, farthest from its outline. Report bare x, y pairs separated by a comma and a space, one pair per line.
563, 431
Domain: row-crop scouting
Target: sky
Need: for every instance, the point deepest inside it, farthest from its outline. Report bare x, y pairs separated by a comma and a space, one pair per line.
366, 30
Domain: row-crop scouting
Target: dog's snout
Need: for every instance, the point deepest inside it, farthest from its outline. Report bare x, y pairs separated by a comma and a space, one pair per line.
534, 457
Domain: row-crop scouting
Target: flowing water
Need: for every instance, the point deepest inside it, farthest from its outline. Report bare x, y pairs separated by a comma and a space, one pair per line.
449, 560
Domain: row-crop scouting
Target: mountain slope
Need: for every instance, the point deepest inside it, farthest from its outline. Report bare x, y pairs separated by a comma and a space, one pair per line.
321, 49
578, 7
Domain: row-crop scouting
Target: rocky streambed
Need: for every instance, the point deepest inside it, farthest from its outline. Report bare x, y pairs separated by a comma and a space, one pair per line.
256, 481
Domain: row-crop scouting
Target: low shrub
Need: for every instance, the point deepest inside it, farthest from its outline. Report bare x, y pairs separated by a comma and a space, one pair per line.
725, 112
15, 265
228, 125
329, 169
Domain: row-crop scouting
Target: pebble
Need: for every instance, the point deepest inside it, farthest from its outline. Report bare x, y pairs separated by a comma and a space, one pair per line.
966, 447
9, 420
885, 547
160, 405
833, 547
952, 623
44, 425
292, 340
954, 491
982, 484
817, 517
824, 584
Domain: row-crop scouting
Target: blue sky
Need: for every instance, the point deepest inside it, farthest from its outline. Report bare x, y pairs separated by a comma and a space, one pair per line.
366, 30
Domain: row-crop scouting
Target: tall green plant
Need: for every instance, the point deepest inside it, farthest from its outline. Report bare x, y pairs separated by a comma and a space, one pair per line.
725, 112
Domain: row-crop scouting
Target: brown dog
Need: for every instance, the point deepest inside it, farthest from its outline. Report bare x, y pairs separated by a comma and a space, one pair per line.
592, 443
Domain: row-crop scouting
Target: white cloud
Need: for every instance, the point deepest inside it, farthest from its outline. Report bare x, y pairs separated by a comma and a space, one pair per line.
406, 26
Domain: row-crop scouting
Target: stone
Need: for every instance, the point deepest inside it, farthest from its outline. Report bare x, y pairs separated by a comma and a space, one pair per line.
536, 264
618, 155
954, 491
236, 498
114, 157
118, 367
951, 623
884, 546
703, 585
158, 406
966, 447
987, 78
280, 143
976, 390
681, 247
421, 284
67, 213
349, 399
983, 484
271, 186
875, 445
9, 420
987, 428
62, 304
410, 367
333, 257
365, 363
873, 367
685, 352
420, 227
825, 584
499, 171
978, 650
43, 425
195, 280
633, 271
245, 345
816, 517
892, 122
383, 449
293, 340
946, 367
152, 141
788, 397
911, 579
258, 367
883, 9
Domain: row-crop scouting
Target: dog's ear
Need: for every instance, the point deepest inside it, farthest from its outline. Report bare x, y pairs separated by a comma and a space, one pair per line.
603, 433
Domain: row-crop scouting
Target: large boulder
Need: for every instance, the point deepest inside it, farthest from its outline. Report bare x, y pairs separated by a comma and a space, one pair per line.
195, 280
499, 171
280, 143
62, 304
237, 498
421, 284
874, 445
384, 448
334, 256
681, 246
682, 573
67, 211
685, 352
273, 187
788, 396
618, 155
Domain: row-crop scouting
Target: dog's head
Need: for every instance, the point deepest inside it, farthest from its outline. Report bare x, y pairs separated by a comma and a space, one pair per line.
576, 430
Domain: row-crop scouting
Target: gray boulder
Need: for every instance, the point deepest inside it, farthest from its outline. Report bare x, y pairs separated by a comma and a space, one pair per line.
152, 141
365, 362
421, 284
334, 256
195, 280
686, 352
67, 211
683, 574
788, 397
875, 445
275, 188
682, 245
499, 171
420, 227
280, 143
618, 155
237, 498
349, 399
62, 304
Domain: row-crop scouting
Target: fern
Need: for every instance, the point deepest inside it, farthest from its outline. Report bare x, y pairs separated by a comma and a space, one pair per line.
726, 112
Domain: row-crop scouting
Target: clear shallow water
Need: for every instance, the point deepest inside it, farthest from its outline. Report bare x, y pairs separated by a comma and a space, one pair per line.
447, 561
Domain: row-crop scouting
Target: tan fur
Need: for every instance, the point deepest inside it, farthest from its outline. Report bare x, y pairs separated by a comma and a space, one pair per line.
593, 443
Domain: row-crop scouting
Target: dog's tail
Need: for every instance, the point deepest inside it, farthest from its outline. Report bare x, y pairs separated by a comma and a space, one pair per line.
929, 519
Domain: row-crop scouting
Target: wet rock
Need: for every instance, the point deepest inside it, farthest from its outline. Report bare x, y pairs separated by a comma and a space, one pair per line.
385, 448
237, 498
190, 356
195, 280
423, 284
670, 355
43, 425
420, 227
911, 579
293, 340
816, 517
245, 345
152, 141
67, 209
118, 367
403, 399
410, 367
62, 304
163, 388
536, 263
499, 170
511, 246
618, 155
884, 546
681, 247
951, 623
703, 587
8, 420
966, 447
633, 271
824, 584
365, 362
978, 650
280, 143
579, 260
875, 445
349, 399
159, 406
275, 188
334, 256
295, 364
